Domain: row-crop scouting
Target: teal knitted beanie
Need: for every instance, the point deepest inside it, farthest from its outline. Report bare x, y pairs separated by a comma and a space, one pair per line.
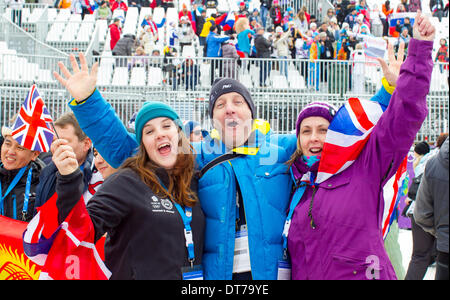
151, 110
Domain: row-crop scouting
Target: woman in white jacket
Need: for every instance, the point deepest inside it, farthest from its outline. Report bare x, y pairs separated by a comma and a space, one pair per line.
281, 44
185, 33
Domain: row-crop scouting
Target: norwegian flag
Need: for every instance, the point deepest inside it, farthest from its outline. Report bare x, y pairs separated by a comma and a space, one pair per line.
67, 250
32, 128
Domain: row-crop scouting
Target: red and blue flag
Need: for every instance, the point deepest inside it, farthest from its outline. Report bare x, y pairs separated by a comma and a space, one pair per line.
395, 18
228, 22
66, 250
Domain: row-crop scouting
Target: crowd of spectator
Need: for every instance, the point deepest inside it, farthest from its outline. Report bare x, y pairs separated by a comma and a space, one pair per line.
270, 31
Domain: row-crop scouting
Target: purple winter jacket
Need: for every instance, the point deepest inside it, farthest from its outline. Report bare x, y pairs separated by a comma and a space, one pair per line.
347, 242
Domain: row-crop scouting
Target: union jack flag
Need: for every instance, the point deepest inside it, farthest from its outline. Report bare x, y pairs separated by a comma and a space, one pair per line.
347, 135
32, 128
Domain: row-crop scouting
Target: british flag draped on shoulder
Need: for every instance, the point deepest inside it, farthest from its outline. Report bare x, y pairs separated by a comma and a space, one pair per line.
32, 128
66, 250
347, 135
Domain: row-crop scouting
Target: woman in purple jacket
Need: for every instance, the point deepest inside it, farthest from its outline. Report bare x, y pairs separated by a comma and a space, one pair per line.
335, 230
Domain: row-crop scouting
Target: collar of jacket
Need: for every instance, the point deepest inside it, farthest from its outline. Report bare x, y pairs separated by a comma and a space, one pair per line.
260, 129
300, 167
8, 175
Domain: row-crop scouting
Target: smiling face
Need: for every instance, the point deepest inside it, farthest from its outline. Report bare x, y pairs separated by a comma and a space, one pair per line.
160, 138
196, 134
232, 117
14, 156
102, 166
313, 131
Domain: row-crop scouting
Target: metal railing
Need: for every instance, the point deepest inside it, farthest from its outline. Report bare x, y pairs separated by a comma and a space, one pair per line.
184, 83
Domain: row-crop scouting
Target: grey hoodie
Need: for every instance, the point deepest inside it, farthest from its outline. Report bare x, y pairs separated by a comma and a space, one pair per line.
431, 210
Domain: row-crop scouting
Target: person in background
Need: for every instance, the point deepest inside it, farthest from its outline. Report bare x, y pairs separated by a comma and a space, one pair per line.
19, 177
442, 55
230, 63
16, 10
276, 13
115, 30
190, 74
186, 15
387, 11
262, 46
281, 44
124, 47
67, 128
185, 33
265, 7
423, 242
118, 4
200, 19
214, 50
193, 131
104, 12
244, 35
431, 210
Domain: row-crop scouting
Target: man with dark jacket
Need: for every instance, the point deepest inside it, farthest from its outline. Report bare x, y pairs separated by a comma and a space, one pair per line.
431, 210
19, 177
67, 128
262, 46
124, 47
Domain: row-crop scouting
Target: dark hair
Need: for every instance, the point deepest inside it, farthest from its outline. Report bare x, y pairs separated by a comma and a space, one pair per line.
441, 139
69, 119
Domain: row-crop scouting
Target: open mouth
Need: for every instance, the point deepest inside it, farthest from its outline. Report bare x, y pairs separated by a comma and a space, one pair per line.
232, 124
164, 149
315, 151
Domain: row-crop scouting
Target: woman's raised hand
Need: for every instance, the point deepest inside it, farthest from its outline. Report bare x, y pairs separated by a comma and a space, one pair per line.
423, 29
80, 84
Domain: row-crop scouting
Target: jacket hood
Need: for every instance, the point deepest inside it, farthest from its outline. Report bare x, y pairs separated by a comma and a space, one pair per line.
443, 154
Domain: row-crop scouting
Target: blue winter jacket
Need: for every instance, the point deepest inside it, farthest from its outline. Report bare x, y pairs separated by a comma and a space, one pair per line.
214, 43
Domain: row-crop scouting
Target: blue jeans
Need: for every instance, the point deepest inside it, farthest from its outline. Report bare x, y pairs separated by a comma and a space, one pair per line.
264, 12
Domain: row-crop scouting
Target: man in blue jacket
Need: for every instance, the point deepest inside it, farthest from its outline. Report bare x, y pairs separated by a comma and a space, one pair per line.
214, 49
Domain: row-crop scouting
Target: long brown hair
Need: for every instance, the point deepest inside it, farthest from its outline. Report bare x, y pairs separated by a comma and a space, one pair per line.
179, 189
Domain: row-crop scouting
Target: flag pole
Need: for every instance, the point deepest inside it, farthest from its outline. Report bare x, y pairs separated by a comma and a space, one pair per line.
53, 126
54, 130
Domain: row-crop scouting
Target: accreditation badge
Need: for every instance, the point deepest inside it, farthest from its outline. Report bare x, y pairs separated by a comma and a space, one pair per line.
241, 261
192, 272
284, 270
